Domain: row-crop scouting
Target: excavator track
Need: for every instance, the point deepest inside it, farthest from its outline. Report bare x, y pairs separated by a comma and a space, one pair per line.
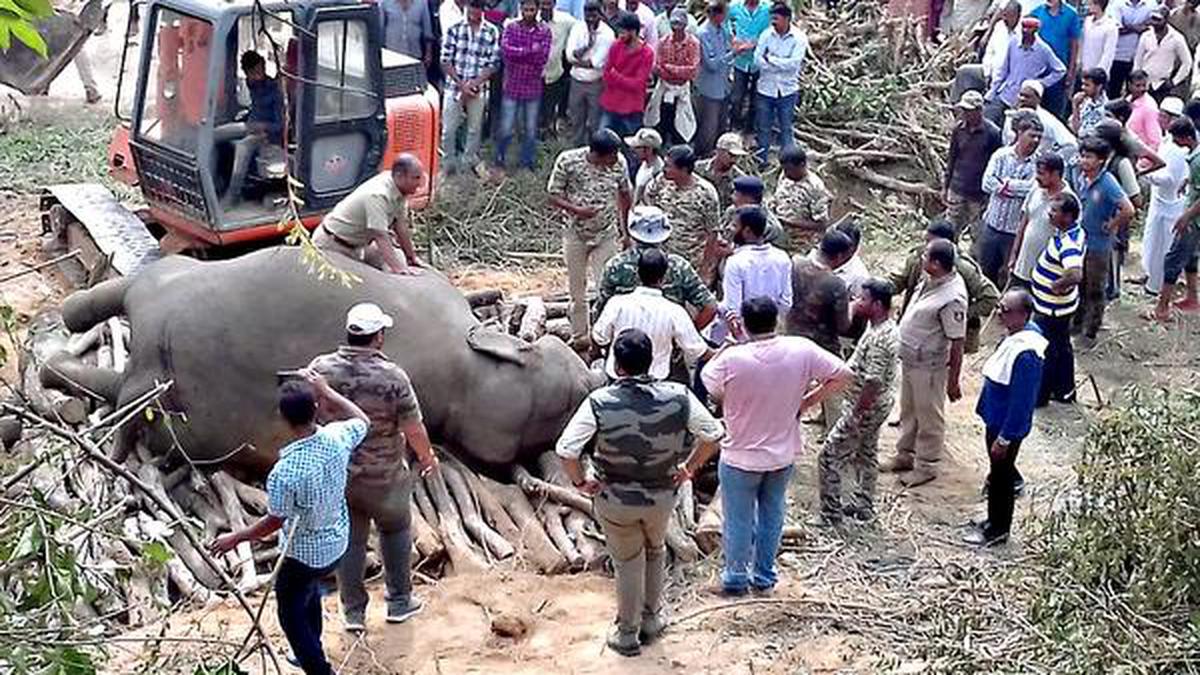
112, 241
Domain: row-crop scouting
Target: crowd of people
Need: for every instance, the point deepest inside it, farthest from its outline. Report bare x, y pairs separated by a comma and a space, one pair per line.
723, 312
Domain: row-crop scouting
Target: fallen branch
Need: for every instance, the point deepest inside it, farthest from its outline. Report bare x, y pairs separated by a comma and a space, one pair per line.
536, 487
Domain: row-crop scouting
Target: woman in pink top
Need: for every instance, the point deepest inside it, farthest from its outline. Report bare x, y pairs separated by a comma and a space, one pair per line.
1143, 123
764, 385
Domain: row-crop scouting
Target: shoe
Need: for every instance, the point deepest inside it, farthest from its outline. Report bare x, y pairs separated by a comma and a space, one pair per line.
92, 96
291, 658
399, 612
625, 644
724, 591
917, 478
896, 465
825, 520
763, 591
979, 537
354, 622
652, 628
863, 514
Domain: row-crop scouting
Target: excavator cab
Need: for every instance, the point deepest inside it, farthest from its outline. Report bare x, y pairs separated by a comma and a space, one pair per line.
338, 108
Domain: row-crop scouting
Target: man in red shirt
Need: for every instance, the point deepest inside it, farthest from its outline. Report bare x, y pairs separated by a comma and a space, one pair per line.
626, 75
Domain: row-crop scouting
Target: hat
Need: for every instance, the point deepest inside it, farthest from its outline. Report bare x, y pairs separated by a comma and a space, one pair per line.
732, 143
366, 318
1172, 106
971, 100
679, 16
644, 138
1030, 22
1035, 86
649, 225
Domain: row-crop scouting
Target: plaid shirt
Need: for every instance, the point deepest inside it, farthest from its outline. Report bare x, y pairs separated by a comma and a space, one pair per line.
678, 60
525, 50
470, 52
308, 484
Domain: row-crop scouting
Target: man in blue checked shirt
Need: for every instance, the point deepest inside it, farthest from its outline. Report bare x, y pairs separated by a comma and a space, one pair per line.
306, 493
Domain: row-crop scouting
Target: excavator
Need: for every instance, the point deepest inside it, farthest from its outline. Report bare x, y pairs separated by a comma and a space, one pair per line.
350, 108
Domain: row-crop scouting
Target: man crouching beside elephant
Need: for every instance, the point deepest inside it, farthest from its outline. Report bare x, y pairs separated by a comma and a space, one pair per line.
380, 484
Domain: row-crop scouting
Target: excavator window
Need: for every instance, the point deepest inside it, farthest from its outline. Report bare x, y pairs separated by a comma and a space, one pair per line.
173, 111
344, 88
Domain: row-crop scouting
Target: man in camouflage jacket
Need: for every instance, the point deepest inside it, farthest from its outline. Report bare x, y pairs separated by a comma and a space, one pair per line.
640, 428
380, 484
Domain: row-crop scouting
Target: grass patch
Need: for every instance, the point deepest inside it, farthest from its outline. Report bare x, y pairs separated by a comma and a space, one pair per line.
56, 147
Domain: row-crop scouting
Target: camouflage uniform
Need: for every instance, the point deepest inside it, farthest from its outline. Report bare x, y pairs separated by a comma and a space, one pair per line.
682, 285
640, 428
721, 182
774, 234
380, 485
801, 200
694, 213
982, 295
587, 244
854, 439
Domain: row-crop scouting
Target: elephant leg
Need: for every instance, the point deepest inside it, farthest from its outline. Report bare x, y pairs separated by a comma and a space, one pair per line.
84, 309
72, 376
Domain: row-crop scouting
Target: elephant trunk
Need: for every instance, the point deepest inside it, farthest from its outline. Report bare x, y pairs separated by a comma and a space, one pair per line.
70, 375
84, 309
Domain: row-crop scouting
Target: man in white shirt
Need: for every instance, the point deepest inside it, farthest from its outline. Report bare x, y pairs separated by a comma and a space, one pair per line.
1099, 44
1036, 229
1056, 136
554, 97
1163, 53
645, 309
1167, 202
756, 269
587, 48
1002, 34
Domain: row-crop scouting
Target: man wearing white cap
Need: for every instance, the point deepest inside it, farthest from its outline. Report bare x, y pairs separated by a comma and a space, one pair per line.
646, 146
380, 483
1027, 58
1056, 136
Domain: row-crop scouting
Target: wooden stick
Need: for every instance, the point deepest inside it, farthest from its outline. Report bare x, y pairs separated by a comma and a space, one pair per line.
534, 543
40, 266
537, 487
463, 556
160, 499
533, 322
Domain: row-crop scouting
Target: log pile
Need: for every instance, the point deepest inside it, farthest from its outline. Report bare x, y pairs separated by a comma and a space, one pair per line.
871, 98
137, 523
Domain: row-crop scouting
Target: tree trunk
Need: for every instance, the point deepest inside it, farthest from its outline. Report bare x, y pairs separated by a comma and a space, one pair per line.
534, 543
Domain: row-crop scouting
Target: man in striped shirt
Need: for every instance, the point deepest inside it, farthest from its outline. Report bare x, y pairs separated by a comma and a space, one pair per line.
1055, 282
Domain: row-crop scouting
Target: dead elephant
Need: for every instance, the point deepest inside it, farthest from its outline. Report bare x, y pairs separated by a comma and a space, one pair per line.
221, 330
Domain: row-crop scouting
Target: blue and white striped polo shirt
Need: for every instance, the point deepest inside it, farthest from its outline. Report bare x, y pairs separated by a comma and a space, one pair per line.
1063, 252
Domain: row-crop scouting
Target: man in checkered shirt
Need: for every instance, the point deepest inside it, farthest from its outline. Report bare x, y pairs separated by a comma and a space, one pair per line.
306, 493
470, 55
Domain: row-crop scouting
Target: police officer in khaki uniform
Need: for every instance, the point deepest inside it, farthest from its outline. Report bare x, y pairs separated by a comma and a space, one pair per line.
363, 224
931, 349
380, 483
982, 294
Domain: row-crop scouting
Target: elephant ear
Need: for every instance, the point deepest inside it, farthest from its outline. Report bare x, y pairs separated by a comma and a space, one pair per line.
499, 345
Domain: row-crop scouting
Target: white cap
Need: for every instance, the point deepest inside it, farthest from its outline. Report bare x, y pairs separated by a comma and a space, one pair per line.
1035, 86
1172, 106
366, 318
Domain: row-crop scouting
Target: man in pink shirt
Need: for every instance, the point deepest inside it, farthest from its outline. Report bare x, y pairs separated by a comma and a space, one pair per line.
626, 76
764, 385
1143, 123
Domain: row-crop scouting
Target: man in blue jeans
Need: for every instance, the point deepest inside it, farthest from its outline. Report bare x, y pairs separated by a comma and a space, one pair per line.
764, 385
306, 496
779, 57
524, 50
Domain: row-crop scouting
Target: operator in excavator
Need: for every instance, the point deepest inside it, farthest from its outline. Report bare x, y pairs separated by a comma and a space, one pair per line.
264, 124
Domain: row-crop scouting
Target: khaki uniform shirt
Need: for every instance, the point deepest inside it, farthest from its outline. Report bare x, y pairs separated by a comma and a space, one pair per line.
936, 315
982, 294
585, 184
722, 182
694, 213
372, 207
382, 389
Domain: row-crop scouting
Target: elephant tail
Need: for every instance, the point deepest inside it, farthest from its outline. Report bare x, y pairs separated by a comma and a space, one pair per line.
84, 309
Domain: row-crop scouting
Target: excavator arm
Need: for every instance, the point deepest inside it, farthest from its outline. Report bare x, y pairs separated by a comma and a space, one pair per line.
24, 70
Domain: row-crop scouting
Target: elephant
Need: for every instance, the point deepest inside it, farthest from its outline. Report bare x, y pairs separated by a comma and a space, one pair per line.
220, 331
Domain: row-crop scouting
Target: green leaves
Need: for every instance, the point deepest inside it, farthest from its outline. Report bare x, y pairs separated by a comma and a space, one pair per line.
18, 18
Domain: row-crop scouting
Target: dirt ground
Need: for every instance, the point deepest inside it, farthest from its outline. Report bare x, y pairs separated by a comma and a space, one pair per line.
827, 576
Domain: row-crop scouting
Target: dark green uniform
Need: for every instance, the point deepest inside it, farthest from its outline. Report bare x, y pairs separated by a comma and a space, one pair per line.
682, 285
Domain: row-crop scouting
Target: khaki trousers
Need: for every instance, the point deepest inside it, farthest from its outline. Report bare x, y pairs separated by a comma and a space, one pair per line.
367, 254
636, 538
922, 416
583, 255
